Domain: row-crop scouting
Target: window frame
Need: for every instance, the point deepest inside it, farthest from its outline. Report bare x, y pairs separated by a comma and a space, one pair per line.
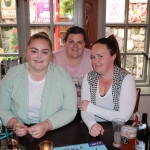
78, 7
143, 83
23, 24
23, 27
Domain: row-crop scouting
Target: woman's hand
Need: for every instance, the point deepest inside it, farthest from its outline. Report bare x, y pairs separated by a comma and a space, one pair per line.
39, 129
12, 121
96, 130
20, 129
83, 105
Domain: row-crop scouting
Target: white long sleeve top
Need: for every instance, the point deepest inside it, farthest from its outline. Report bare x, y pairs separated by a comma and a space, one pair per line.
104, 108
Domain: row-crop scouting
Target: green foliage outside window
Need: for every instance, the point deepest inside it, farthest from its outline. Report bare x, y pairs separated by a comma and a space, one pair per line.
13, 46
66, 8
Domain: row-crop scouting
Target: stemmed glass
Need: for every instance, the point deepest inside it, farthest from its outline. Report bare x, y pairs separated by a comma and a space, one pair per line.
78, 83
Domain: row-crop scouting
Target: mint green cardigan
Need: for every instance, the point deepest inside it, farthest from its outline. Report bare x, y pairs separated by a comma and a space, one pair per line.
59, 99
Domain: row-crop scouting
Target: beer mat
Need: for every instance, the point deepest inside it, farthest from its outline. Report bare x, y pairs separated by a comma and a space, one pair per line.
20, 147
98, 145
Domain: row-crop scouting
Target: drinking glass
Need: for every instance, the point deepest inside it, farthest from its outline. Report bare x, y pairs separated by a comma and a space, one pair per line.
117, 123
46, 145
0, 126
78, 83
12, 138
128, 136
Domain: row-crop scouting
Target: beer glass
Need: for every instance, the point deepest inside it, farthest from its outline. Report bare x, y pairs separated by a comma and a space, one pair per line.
128, 136
117, 124
46, 145
12, 138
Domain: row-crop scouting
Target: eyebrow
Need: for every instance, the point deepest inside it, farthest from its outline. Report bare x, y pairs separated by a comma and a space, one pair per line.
98, 54
39, 49
77, 41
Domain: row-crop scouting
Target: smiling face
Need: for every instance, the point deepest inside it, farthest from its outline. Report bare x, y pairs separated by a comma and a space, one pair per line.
38, 55
102, 61
75, 46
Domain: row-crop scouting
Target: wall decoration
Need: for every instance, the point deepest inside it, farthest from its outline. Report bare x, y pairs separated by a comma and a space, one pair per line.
8, 9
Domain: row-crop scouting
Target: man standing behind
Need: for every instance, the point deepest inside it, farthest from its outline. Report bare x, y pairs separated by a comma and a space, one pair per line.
75, 58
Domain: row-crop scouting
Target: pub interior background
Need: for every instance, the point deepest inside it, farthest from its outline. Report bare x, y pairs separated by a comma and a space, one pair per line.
128, 20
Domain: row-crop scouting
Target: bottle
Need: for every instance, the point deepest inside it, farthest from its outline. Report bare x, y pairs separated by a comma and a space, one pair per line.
137, 120
142, 138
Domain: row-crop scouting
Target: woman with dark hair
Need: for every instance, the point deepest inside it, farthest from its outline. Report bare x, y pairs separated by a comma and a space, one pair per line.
75, 58
37, 96
109, 91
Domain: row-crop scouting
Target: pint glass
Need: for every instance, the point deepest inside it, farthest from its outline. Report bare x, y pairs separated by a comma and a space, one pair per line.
128, 136
117, 124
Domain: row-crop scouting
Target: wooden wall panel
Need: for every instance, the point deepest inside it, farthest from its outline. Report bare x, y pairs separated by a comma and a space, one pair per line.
91, 20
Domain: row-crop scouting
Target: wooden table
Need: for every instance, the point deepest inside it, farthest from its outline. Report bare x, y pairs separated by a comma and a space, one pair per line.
73, 133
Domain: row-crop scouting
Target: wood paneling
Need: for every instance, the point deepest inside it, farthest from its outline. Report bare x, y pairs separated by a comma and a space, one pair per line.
91, 20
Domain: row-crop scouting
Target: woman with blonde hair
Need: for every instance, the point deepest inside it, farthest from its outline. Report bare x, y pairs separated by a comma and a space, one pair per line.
37, 96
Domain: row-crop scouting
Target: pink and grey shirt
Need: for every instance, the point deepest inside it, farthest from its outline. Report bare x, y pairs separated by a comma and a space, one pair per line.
78, 72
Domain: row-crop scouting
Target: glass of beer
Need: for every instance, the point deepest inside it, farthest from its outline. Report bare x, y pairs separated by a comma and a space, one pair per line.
117, 124
12, 138
128, 136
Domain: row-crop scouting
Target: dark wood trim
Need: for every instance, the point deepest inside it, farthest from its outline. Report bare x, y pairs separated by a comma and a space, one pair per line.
91, 21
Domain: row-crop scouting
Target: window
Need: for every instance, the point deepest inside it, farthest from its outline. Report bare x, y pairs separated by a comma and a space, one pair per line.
21, 18
129, 21
8, 35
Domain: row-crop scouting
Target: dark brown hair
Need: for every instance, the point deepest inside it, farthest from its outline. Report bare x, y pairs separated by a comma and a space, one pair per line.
75, 30
112, 46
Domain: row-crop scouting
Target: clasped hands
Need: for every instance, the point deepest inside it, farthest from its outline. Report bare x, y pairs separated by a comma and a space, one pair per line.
36, 131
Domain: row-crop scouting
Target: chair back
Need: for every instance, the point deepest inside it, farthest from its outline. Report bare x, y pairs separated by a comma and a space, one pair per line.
137, 99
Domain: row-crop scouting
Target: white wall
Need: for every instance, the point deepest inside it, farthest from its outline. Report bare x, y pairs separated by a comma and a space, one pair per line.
144, 106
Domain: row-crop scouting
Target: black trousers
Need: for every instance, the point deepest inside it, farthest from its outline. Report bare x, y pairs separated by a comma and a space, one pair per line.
78, 116
29, 125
